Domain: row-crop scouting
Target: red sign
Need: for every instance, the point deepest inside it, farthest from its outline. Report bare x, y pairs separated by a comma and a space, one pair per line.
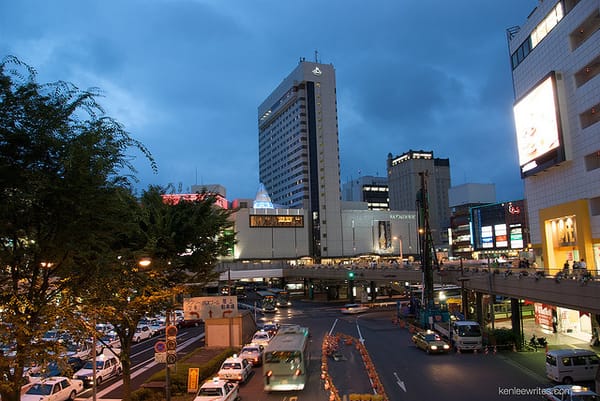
160, 346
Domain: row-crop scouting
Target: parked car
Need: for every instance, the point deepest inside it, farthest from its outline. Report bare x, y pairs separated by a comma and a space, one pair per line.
53, 389
235, 368
253, 353
430, 341
81, 350
108, 341
218, 390
142, 332
567, 392
38, 373
106, 367
571, 365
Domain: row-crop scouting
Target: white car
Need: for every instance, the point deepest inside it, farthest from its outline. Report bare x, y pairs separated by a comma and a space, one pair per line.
351, 309
53, 389
253, 353
109, 341
261, 338
567, 392
142, 332
218, 390
235, 368
107, 366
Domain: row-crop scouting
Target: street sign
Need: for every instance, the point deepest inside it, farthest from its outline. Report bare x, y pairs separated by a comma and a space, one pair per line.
193, 376
160, 357
171, 332
160, 346
171, 359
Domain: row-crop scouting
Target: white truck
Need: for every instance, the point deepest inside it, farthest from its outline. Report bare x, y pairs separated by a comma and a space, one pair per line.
462, 334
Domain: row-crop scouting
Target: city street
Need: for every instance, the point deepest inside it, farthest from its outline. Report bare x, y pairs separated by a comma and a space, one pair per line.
407, 373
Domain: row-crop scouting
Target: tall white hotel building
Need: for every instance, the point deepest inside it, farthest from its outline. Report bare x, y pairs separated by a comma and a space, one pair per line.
298, 149
555, 60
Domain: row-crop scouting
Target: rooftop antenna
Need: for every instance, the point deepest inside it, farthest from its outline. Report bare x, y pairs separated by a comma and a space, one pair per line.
316, 56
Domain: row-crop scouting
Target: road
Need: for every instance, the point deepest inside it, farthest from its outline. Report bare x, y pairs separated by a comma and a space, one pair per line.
406, 372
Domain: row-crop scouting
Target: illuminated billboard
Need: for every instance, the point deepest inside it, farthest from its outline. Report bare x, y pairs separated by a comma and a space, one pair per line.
499, 226
538, 128
269, 220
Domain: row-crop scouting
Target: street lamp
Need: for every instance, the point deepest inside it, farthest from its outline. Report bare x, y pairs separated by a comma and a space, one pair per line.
400, 255
145, 262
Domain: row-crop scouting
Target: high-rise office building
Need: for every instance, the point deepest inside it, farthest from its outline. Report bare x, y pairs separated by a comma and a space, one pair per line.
370, 189
298, 148
404, 180
555, 60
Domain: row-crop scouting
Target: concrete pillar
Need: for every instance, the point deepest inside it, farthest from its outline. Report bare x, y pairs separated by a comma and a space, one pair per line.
479, 312
516, 320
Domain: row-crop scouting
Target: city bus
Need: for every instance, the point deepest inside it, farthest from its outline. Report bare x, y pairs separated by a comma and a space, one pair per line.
268, 301
283, 299
285, 360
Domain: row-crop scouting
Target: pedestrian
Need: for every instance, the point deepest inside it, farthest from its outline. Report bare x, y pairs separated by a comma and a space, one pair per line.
576, 267
566, 267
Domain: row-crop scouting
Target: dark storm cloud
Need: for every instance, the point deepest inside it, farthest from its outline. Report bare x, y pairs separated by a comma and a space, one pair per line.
186, 77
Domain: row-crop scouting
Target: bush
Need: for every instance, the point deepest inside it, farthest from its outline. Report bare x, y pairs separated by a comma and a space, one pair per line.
502, 337
179, 376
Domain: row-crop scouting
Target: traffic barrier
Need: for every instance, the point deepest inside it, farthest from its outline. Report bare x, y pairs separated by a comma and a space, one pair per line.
486, 350
495, 350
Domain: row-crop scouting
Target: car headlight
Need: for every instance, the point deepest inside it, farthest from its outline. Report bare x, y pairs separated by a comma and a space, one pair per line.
433, 347
446, 346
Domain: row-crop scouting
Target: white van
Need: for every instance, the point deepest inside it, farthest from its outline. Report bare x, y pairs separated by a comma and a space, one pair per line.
571, 365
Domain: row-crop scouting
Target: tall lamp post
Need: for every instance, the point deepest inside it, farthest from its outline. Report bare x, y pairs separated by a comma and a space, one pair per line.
400, 254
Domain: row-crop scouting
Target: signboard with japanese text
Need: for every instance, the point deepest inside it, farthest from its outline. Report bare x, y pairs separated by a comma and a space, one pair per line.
209, 307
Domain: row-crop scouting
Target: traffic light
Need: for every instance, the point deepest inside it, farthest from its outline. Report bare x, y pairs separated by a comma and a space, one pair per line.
171, 333
350, 275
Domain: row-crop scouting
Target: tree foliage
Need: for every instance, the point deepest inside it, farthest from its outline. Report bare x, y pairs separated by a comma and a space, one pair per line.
72, 232
61, 167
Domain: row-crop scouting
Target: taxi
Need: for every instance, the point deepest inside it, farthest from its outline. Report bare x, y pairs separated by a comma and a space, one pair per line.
253, 353
235, 368
569, 392
430, 341
218, 390
261, 337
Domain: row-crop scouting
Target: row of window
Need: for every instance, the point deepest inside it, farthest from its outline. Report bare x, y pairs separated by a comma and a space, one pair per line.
579, 36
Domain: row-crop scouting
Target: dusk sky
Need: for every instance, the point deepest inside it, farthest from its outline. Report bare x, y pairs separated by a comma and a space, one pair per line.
185, 77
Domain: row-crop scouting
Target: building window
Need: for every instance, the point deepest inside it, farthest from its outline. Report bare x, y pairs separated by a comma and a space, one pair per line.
588, 72
592, 161
590, 117
595, 206
585, 30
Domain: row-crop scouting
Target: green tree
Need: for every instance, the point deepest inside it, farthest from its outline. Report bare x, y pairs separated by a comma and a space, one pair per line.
62, 165
182, 243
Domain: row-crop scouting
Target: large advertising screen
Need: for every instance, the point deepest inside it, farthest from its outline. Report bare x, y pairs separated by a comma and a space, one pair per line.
499, 226
538, 128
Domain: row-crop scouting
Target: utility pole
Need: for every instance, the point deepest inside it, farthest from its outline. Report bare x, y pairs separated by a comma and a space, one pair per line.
426, 242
